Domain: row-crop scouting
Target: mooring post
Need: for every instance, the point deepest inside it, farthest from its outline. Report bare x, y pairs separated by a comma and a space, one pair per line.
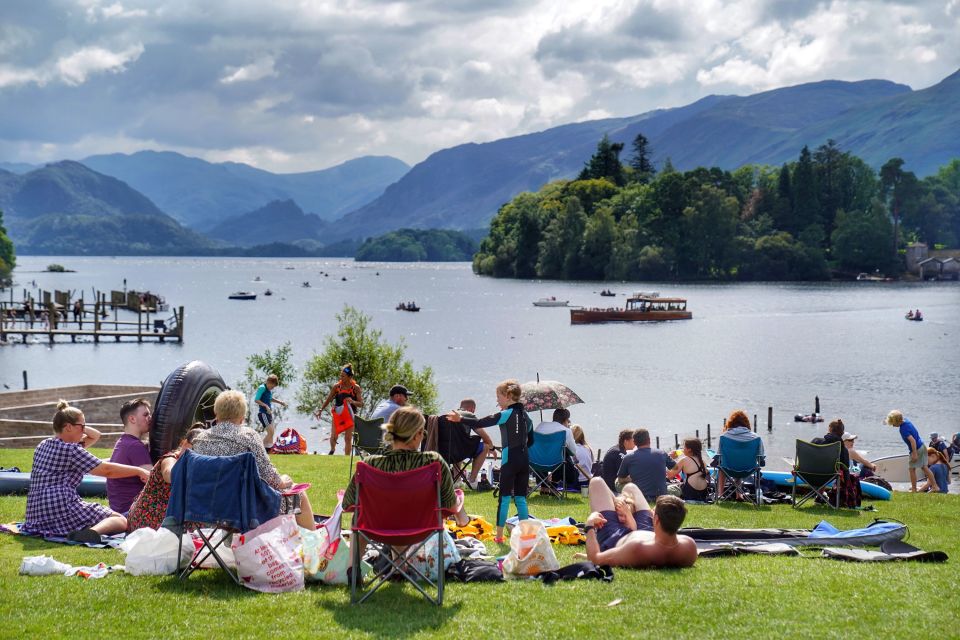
180, 326
25, 386
96, 320
754, 423
676, 441
769, 418
140, 323
658, 442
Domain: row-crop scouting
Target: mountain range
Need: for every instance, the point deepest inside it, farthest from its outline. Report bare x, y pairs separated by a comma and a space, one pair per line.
462, 187
159, 201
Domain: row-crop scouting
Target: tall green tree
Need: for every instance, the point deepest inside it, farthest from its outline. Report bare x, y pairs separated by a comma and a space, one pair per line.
710, 226
861, 241
596, 248
377, 365
605, 163
806, 206
782, 214
8, 259
899, 189
643, 169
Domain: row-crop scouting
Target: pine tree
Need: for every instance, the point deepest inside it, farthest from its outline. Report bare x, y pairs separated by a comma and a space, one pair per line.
642, 165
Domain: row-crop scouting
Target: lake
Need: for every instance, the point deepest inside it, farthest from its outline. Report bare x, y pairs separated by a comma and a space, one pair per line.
748, 346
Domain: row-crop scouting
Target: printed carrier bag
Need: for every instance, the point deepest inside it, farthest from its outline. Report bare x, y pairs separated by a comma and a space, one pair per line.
530, 551
324, 561
427, 557
269, 557
342, 418
290, 441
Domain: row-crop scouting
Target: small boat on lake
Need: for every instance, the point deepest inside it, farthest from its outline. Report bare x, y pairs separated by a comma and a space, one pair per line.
810, 417
268, 292
915, 317
641, 307
408, 306
607, 293
551, 302
306, 284
872, 277
242, 295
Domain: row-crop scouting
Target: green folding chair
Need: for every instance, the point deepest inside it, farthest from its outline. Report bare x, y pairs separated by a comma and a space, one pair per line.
367, 436
817, 466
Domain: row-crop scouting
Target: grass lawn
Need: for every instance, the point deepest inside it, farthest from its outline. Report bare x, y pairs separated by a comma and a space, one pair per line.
745, 597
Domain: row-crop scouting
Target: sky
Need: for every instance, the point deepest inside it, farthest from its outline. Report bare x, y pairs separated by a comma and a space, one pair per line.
298, 85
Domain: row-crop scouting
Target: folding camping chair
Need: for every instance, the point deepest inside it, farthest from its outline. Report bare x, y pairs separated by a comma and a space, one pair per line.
739, 461
457, 446
222, 492
546, 457
817, 465
367, 436
397, 509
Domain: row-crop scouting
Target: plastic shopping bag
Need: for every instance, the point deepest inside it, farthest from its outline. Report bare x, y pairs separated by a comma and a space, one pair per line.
326, 561
269, 557
223, 550
530, 551
342, 418
154, 552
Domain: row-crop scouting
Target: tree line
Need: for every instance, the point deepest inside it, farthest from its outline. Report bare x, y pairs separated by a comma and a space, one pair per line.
8, 259
826, 213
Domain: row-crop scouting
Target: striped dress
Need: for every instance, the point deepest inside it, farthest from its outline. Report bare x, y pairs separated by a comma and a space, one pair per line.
405, 460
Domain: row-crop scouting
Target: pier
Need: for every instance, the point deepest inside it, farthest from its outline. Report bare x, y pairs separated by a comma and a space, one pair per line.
57, 315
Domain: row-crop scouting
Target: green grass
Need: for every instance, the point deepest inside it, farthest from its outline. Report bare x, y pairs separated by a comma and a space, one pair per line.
745, 597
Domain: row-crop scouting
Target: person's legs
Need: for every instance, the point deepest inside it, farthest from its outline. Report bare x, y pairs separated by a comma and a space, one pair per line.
913, 479
333, 439
347, 441
268, 437
601, 498
478, 462
639, 501
931, 480
112, 524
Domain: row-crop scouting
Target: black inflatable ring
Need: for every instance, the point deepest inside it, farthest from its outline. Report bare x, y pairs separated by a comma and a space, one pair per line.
186, 396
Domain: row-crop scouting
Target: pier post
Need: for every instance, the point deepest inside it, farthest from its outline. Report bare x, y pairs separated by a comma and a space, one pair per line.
658, 442
25, 385
96, 321
180, 326
754, 423
769, 418
676, 441
709, 440
140, 323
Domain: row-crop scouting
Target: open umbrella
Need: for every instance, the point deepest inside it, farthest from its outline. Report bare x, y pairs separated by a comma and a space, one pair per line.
547, 394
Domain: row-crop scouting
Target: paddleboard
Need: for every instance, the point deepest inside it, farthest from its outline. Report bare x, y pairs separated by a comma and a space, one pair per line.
13, 482
785, 479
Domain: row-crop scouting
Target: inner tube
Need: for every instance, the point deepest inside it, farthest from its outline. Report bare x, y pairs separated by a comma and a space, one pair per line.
18, 483
186, 396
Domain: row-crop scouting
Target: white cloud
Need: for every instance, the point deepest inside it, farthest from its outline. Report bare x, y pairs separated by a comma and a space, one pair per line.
257, 70
74, 68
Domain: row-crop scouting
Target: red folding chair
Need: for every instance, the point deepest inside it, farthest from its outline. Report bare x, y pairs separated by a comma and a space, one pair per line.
397, 509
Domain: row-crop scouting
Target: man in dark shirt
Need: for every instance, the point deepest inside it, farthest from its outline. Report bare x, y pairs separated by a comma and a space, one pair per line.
614, 456
646, 467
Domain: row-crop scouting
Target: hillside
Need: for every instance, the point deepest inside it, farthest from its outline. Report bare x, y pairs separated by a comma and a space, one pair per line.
417, 245
463, 187
68, 208
202, 194
281, 221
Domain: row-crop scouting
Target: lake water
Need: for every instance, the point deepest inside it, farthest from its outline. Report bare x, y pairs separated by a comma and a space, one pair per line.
749, 346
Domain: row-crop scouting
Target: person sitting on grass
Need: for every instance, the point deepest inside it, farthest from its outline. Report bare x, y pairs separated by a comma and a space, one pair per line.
867, 468
54, 507
150, 507
624, 532
229, 438
696, 483
940, 469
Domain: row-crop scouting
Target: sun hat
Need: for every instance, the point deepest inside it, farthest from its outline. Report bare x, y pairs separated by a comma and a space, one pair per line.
849, 436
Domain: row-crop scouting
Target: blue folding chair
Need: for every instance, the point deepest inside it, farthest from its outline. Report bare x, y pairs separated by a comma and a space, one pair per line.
546, 457
739, 461
226, 494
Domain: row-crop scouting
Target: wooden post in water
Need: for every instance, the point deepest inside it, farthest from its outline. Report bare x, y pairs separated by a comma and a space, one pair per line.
180, 326
676, 441
769, 418
139, 323
709, 440
96, 321
658, 442
25, 386
754, 423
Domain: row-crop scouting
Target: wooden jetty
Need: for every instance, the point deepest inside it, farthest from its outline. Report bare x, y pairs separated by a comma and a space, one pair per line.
56, 317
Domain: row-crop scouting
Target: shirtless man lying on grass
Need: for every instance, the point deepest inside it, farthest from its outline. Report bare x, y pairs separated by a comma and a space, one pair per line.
623, 531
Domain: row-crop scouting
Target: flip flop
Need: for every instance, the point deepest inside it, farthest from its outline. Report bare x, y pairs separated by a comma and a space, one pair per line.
86, 536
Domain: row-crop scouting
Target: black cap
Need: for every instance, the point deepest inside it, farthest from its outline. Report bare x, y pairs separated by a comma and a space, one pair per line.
399, 388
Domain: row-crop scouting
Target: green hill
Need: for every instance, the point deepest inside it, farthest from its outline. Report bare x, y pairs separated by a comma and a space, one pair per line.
417, 245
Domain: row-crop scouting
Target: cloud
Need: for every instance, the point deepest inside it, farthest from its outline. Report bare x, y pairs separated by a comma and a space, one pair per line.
292, 85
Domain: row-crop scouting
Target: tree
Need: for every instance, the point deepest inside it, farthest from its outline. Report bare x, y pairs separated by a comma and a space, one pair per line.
899, 190
8, 259
377, 366
261, 365
710, 223
783, 217
861, 240
597, 246
806, 207
605, 163
643, 169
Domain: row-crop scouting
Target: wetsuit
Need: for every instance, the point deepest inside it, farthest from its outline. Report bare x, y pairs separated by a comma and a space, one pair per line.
516, 436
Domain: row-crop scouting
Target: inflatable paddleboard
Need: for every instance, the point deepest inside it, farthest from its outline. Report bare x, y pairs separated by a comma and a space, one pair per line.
14, 482
785, 479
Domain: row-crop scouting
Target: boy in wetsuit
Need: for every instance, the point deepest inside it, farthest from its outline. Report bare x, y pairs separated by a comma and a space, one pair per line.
516, 436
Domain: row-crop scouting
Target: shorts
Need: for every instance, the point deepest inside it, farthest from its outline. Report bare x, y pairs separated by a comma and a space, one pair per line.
265, 419
921, 459
610, 534
479, 448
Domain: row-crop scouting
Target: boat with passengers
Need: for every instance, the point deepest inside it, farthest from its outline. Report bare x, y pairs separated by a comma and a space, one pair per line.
641, 307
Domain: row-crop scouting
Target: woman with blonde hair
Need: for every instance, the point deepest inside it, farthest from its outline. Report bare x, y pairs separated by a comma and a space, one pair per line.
584, 452
404, 433
54, 507
228, 437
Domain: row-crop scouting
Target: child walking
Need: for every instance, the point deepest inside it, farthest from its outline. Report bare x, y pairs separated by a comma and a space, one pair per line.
516, 436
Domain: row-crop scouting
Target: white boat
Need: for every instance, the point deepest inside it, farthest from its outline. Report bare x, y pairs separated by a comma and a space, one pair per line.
551, 302
897, 468
242, 295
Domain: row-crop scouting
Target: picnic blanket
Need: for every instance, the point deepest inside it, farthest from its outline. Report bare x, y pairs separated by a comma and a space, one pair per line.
114, 541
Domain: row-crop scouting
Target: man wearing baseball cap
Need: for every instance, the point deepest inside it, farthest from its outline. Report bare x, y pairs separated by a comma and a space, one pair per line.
398, 398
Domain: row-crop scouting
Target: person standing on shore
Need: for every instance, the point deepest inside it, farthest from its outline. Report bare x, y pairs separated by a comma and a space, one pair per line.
347, 398
516, 436
264, 400
910, 436
130, 450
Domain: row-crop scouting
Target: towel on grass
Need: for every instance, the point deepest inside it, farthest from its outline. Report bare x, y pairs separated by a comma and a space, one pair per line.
113, 541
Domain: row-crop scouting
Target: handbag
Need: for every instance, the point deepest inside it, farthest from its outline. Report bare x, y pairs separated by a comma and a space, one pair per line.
530, 551
269, 557
342, 418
